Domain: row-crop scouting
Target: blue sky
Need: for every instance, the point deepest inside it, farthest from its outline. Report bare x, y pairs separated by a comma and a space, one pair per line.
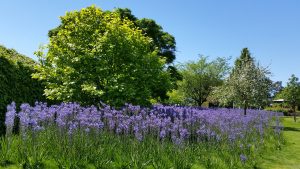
269, 28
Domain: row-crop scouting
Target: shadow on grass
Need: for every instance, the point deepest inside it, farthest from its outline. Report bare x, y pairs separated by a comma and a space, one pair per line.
5, 163
291, 129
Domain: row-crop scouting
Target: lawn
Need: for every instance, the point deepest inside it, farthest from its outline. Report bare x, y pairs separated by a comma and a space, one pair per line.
289, 155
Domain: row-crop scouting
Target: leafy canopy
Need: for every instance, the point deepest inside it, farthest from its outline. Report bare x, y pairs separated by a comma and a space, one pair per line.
199, 78
248, 84
161, 42
96, 55
291, 93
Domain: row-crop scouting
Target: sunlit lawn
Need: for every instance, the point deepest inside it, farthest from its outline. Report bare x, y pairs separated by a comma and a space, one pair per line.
289, 156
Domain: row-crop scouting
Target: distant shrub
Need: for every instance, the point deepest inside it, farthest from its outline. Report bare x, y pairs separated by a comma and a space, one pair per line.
286, 111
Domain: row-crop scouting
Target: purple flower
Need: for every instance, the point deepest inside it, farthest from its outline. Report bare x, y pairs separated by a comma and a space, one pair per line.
10, 117
38, 128
24, 116
243, 158
162, 134
181, 124
72, 128
118, 130
87, 130
183, 133
139, 136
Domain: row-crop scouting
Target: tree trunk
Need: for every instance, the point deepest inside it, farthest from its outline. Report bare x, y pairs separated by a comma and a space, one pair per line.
295, 113
199, 102
245, 110
245, 107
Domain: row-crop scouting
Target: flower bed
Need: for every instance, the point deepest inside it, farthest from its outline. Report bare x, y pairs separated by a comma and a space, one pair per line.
70, 135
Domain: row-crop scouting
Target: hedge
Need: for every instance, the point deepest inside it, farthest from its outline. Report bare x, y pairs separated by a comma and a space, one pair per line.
16, 83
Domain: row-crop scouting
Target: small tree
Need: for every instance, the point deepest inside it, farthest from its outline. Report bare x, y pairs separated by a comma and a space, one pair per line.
291, 93
199, 78
248, 84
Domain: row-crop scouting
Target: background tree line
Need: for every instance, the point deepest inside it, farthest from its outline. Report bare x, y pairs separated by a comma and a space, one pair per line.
245, 85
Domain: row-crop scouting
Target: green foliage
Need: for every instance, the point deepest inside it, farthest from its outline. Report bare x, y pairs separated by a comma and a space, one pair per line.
244, 58
199, 78
291, 93
16, 82
161, 41
176, 97
278, 108
96, 55
248, 84
276, 88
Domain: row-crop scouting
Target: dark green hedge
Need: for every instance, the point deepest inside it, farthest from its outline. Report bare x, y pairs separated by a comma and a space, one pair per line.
16, 83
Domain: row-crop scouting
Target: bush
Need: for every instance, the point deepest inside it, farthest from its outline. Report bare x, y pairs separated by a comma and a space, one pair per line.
286, 111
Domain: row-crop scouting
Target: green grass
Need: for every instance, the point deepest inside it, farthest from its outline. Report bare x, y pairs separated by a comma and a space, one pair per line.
110, 151
289, 155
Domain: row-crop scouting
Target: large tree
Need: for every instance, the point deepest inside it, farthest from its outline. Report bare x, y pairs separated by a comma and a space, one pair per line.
96, 55
248, 84
161, 41
291, 93
199, 78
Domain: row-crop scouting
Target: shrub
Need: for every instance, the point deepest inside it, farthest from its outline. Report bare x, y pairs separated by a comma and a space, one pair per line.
286, 111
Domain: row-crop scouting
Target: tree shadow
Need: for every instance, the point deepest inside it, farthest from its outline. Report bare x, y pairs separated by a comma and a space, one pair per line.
291, 129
